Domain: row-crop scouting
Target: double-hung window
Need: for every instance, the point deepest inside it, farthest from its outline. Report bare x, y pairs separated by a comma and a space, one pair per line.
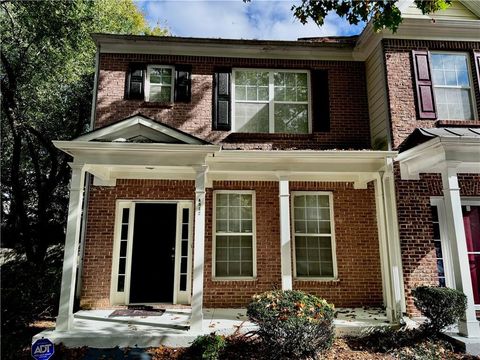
452, 86
313, 235
271, 101
234, 235
159, 83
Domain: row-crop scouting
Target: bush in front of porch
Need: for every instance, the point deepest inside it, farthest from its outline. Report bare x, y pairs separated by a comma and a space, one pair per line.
292, 324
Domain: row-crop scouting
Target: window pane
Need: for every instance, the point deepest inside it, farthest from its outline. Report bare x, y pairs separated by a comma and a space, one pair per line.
183, 282
123, 248
125, 214
160, 93
161, 76
251, 117
221, 268
246, 268
291, 118
121, 283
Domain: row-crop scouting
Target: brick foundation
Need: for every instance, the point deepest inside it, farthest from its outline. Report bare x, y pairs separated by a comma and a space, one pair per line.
358, 258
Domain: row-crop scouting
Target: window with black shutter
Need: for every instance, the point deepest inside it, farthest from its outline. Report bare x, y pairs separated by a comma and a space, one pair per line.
159, 83
443, 85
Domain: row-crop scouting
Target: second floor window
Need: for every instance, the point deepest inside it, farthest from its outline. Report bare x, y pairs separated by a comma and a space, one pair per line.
452, 86
159, 84
271, 101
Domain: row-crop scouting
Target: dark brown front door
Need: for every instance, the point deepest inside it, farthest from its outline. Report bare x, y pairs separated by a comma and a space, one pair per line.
153, 253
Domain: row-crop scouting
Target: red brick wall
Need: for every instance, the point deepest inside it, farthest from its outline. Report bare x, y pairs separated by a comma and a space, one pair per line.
355, 229
413, 197
349, 124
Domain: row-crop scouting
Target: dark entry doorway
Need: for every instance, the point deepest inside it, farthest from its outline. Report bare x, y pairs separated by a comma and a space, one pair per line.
153, 253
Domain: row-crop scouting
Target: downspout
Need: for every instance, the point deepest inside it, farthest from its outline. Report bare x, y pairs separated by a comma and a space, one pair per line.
88, 179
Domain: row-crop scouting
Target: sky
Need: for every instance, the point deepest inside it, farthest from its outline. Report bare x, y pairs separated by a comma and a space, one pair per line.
235, 19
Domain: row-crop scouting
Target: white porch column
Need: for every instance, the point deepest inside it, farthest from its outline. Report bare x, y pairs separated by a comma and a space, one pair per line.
198, 250
468, 326
285, 235
393, 243
384, 256
67, 291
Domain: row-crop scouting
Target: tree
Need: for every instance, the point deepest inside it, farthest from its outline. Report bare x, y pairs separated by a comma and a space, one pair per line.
47, 67
384, 14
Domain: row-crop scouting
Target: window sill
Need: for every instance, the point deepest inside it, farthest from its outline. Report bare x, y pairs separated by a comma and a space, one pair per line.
457, 123
158, 105
317, 279
227, 279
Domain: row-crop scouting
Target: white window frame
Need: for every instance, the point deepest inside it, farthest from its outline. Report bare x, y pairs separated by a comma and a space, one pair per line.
123, 297
147, 80
254, 236
332, 236
438, 201
470, 80
271, 102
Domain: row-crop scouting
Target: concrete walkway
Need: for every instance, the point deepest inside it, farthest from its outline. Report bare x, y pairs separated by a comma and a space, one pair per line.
96, 328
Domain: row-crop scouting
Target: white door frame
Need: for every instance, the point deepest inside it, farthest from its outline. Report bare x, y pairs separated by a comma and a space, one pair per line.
438, 201
179, 296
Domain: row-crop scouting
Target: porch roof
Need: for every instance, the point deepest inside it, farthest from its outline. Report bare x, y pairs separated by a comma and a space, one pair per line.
111, 160
433, 150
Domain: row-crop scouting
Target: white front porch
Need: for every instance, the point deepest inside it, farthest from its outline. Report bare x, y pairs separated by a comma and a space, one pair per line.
94, 328
109, 160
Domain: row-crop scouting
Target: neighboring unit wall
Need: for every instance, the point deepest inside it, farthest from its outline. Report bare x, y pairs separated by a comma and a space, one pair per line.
378, 100
356, 235
401, 87
349, 119
413, 196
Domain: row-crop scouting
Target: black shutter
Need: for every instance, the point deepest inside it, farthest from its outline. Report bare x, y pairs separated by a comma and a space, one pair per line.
183, 83
135, 86
320, 101
423, 85
221, 100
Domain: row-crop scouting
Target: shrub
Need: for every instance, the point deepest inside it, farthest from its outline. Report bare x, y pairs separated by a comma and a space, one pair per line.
292, 324
209, 346
441, 306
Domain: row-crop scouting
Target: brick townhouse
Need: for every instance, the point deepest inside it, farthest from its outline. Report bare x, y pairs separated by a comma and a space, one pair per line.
217, 169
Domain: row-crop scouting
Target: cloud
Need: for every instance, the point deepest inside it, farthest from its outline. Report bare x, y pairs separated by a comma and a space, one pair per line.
234, 19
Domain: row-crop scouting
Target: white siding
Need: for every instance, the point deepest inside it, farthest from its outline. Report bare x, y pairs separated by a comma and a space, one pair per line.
456, 11
377, 98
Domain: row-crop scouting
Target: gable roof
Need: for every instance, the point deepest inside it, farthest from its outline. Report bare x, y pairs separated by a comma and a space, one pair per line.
140, 129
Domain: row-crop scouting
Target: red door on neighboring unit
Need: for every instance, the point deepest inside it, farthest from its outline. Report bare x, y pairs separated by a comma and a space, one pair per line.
471, 220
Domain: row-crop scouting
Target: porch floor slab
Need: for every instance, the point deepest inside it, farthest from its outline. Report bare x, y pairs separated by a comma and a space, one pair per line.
95, 328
